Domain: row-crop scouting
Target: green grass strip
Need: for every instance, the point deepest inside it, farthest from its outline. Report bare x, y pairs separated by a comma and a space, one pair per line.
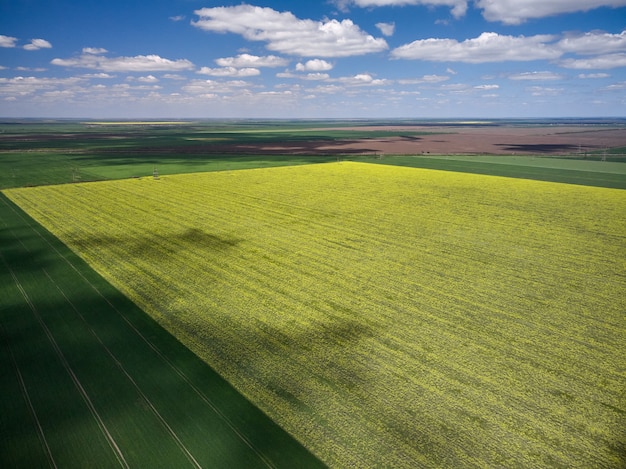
593, 173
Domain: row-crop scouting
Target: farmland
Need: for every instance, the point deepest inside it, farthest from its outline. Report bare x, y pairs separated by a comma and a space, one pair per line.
35, 153
382, 315
90, 381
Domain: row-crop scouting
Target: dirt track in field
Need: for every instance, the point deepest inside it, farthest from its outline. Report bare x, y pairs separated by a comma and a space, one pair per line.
556, 140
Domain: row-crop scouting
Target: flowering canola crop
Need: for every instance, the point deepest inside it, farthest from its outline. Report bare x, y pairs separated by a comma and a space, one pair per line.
384, 316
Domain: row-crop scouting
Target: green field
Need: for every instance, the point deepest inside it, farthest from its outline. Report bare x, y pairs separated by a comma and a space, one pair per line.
89, 380
571, 171
36, 153
384, 316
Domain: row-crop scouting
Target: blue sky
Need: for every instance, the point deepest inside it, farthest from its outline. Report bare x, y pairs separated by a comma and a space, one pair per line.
312, 59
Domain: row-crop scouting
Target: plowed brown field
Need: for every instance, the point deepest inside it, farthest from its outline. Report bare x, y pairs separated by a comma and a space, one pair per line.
467, 140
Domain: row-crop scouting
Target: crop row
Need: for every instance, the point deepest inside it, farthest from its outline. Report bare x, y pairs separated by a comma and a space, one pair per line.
384, 316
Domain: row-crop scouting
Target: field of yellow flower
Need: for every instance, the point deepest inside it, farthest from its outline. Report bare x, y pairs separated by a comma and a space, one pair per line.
384, 316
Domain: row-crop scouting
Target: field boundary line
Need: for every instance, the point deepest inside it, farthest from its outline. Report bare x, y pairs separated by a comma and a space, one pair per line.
129, 377
116, 450
40, 433
185, 378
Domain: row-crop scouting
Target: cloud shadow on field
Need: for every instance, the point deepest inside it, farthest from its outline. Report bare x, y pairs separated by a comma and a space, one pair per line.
312, 147
539, 148
99, 330
182, 401
17, 257
149, 244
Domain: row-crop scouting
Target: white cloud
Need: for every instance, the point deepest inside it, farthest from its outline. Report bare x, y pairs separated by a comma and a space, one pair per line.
287, 34
487, 87
541, 91
7, 41
361, 79
488, 47
247, 60
518, 11
594, 42
387, 29
328, 89
424, 79
601, 62
98, 75
94, 50
211, 87
229, 72
459, 7
148, 79
26, 86
174, 76
455, 87
536, 76
314, 65
585, 76
37, 44
316, 76
139, 63
30, 69
177, 18
616, 87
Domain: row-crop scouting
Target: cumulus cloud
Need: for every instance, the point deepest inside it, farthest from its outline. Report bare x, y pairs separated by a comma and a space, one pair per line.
139, 63
387, 29
37, 44
459, 7
174, 76
247, 60
94, 50
7, 41
25, 86
285, 33
316, 76
536, 76
488, 47
313, 76
425, 79
98, 75
594, 42
600, 62
211, 87
148, 79
229, 72
518, 11
363, 79
314, 65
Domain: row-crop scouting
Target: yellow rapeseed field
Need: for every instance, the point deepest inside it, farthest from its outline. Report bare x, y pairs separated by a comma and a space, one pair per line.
384, 316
